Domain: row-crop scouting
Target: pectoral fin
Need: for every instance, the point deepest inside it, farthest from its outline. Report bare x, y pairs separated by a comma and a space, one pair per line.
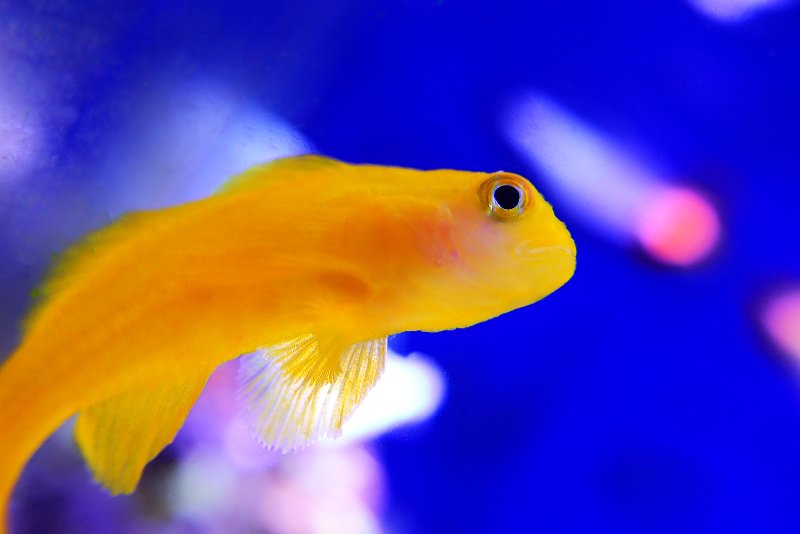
119, 436
295, 393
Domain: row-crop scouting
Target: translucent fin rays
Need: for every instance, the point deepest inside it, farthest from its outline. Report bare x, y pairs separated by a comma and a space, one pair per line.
289, 409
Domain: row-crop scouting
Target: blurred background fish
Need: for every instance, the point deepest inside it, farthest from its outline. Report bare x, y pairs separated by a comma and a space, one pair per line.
656, 392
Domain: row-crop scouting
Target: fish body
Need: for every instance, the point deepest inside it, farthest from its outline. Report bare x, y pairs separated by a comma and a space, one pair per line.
306, 264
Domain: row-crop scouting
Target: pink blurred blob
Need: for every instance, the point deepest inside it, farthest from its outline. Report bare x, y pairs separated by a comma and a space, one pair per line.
678, 226
780, 318
325, 490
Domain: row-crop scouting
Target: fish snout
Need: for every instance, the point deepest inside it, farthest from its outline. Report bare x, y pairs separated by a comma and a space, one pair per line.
532, 248
556, 239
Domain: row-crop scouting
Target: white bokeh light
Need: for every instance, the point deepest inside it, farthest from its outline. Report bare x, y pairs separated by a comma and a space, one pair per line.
411, 390
731, 11
22, 131
185, 140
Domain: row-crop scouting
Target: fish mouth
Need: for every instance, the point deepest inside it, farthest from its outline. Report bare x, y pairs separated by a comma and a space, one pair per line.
526, 249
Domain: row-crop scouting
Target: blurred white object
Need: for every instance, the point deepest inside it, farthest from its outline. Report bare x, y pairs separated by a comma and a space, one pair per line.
735, 10
202, 485
186, 139
411, 390
22, 133
611, 187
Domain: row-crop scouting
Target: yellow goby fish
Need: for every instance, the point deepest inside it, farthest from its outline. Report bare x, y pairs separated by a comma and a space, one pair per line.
305, 265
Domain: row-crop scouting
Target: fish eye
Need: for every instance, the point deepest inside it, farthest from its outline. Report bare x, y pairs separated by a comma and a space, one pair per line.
505, 196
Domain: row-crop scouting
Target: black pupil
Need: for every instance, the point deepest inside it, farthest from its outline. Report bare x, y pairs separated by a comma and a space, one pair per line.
506, 196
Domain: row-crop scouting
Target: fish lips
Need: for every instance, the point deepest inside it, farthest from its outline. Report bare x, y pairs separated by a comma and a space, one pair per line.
530, 249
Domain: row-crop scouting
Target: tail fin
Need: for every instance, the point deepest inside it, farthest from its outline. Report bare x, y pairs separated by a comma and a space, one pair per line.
27, 418
118, 436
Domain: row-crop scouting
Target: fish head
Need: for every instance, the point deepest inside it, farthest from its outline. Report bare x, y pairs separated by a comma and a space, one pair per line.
403, 249
504, 248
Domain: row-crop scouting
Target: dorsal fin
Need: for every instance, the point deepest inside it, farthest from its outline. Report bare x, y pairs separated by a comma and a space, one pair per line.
293, 398
86, 251
100, 243
279, 169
